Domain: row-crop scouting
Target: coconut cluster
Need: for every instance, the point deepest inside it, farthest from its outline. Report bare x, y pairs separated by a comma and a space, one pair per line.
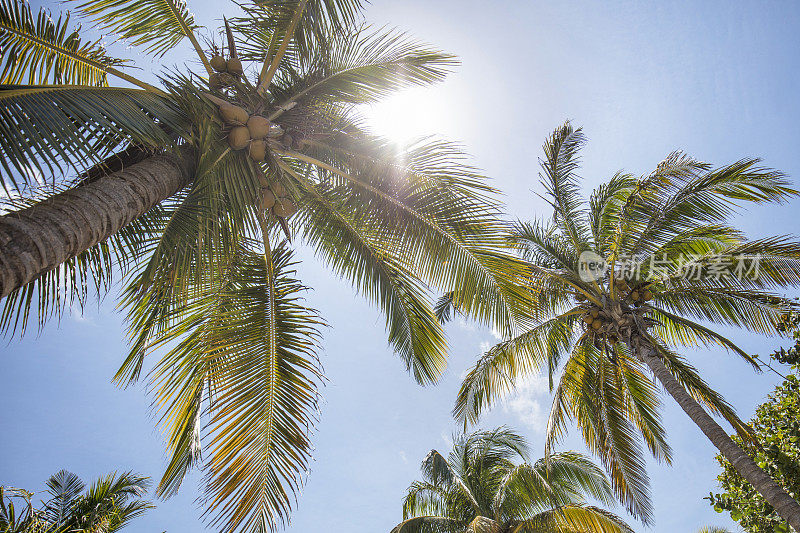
620, 319
636, 294
274, 198
247, 131
226, 72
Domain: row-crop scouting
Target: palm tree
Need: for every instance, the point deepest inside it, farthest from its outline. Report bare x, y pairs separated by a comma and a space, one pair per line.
479, 488
659, 245
192, 187
108, 505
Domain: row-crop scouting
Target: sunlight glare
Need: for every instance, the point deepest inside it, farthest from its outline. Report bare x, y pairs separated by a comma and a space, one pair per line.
408, 115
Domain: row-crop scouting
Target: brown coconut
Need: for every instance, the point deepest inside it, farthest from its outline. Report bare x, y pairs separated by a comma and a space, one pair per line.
226, 79
267, 199
597, 324
258, 150
214, 82
239, 138
284, 208
232, 114
278, 189
258, 126
218, 63
235, 67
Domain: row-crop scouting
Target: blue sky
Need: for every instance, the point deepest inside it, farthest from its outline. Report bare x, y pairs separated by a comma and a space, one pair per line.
716, 79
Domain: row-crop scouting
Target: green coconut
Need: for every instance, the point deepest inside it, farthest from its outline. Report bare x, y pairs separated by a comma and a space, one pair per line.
258, 150
284, 208
267, 199
235, 67
232, 114
239, 138
218, 63
258, 126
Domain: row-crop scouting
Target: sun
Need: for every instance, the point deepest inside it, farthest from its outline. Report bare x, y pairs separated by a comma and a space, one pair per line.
409, 115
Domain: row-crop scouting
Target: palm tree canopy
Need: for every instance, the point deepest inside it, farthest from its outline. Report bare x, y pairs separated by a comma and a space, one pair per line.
210, 283
487, 484
108, 505
662, 243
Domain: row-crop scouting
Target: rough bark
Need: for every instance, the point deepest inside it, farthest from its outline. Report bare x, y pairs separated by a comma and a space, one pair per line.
37, 239
773, 493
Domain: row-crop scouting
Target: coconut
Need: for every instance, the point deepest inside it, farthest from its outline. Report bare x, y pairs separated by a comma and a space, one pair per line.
239, 138
218, 63
258, 150
287, 140
595, 312
232, 114
278, 189
588, 318
635, 296
226, 79
258, 126
647, 296
267, 199
297, 140
284, 208
235, 67
214, 82
597, 324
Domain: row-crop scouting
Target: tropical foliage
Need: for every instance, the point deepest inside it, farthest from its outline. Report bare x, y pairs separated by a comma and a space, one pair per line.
210, 284
626, 277
108, 505
487, 484
777, 431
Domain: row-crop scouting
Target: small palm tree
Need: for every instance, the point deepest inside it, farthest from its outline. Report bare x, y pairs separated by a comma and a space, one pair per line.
480, 488
108, 505
621, 280
192, 186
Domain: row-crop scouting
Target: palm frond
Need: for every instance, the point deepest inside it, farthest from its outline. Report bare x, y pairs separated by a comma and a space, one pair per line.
155, 25
573, 519
429, 524
496, 372
364, 66
561, 184
39, 50
48, 130
356, 253
64, 488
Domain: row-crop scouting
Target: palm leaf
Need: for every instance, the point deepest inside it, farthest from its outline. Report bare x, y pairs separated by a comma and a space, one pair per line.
155, 25
44, 51
51, 129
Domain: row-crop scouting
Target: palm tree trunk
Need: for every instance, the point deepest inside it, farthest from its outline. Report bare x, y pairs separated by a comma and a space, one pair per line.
784, 505
37, 239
